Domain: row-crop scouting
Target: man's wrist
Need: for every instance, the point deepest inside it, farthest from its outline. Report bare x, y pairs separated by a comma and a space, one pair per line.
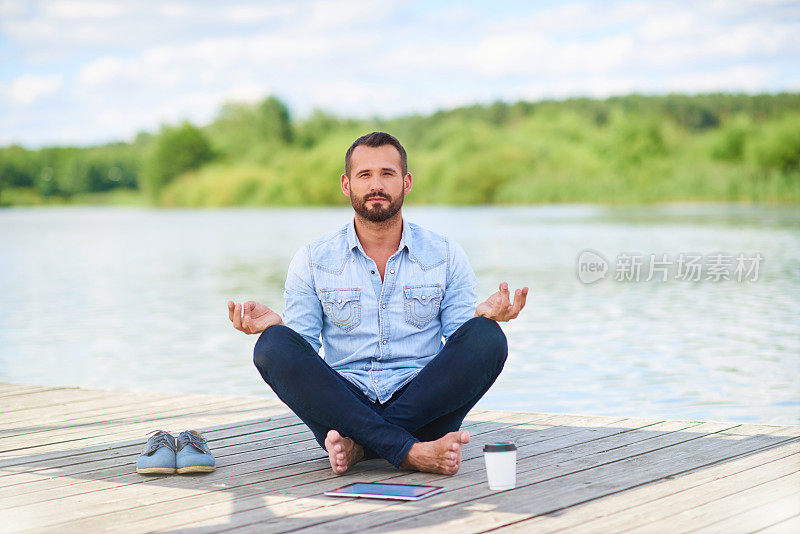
276, 324
483, 314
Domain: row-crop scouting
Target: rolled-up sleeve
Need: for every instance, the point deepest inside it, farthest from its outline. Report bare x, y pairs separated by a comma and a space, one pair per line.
303, 312
458, 304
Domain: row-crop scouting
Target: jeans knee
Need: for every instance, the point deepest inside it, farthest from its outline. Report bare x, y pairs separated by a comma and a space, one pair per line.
270, 346
492, 339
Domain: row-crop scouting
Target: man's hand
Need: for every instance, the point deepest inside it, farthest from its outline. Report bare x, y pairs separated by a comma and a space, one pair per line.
252, 317
499, 307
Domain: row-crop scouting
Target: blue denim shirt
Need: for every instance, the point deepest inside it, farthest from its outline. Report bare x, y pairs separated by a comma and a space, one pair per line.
379, 334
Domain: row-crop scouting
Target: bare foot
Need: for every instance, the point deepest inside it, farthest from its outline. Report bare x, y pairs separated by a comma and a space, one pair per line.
342, 452
442, 456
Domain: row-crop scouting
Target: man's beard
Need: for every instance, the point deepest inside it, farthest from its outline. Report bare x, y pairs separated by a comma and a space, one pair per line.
379, 212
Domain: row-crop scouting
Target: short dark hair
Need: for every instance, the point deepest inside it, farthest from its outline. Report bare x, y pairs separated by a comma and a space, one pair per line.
374, 140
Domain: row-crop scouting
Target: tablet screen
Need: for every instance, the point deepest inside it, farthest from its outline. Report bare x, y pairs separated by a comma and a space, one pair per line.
386, 491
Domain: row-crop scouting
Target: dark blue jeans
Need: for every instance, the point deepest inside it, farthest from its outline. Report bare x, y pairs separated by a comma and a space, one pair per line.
434, 403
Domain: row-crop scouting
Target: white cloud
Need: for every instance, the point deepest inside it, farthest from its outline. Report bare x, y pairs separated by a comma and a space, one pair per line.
252, 13
102, 70
128, 65
29, 88
84, 9
174, 10
12, 8
739, 78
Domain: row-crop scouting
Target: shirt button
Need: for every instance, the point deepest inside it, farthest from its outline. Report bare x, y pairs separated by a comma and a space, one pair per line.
383, 305
376, 380
373, 272
339, 301
423, 297
384, 342
391, 271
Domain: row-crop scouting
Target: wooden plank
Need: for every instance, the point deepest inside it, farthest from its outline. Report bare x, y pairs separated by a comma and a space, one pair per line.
534, 497
753, 509
135, 411
22, 390
348, 513
9, 386
121, 469
108, 426
304, 496
15, 405
789, 526
108, 431
216, 432
726, 498
66, 411
94, 426
260, 468
306, 443
271, 474
256, 445
131, 400
222, 436
104, 466
648, 503
572, 480
120, 439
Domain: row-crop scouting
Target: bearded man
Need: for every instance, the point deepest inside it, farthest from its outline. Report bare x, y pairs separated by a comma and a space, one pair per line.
407, 353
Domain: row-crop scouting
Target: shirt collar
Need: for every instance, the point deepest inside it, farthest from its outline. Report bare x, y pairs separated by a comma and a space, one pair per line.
406, 240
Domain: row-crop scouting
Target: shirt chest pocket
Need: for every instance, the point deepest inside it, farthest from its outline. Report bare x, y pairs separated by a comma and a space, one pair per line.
343, 307
422, 303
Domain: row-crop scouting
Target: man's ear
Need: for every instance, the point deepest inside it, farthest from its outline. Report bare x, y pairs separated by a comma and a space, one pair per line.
345, 185
407, 183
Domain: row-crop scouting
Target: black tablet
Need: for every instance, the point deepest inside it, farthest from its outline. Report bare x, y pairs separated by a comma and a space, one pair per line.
403, 492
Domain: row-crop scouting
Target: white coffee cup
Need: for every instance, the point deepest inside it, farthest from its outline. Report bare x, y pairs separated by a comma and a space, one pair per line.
501, 465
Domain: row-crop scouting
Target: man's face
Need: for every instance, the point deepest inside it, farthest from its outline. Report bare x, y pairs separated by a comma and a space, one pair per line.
376, 186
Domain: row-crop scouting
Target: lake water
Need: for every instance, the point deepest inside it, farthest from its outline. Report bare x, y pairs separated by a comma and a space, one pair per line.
136, 299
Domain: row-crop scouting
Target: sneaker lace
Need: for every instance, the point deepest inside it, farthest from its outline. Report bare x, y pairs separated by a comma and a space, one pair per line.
187, 437
160, 438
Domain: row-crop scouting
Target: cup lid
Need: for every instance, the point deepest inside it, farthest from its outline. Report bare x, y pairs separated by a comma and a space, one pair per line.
504, 446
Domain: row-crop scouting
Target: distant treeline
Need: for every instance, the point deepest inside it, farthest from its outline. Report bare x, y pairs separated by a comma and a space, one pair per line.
622, 149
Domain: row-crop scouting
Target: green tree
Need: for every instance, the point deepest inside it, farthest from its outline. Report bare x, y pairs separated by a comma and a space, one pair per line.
315, 128
176, 150
17, 168
251, 131
273, 121
778, 146
733, 136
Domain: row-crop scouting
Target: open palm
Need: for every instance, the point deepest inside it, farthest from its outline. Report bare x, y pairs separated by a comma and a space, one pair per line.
252, 317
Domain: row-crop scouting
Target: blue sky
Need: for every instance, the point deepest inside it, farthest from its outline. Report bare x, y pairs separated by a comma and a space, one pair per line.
80, 72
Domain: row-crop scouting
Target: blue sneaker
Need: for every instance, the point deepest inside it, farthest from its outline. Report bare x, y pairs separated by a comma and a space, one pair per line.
193, 454
158, 456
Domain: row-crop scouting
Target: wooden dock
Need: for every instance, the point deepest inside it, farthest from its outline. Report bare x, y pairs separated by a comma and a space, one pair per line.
67, 460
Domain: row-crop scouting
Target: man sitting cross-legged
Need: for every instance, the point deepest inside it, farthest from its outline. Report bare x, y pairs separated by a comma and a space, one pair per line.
382, 292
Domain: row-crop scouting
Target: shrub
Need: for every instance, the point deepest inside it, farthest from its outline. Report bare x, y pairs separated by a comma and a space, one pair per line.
177, 150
